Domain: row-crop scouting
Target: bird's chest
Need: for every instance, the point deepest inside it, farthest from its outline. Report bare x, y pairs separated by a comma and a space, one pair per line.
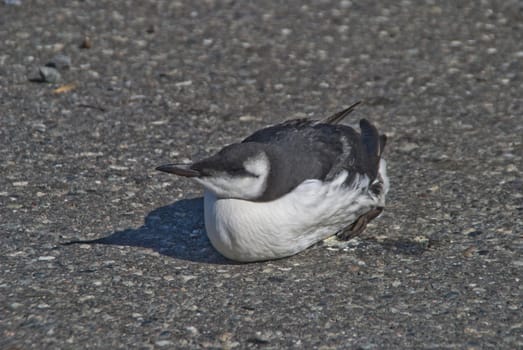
245, 230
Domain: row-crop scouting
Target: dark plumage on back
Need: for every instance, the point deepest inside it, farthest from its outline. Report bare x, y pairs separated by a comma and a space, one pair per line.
302, 149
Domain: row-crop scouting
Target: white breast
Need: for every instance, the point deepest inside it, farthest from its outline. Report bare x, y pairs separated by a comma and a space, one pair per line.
248, 231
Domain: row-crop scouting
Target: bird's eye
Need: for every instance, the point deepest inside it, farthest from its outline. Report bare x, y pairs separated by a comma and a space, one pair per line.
241, 172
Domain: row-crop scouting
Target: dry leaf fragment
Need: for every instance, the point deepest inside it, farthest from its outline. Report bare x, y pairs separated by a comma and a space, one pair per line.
64, 88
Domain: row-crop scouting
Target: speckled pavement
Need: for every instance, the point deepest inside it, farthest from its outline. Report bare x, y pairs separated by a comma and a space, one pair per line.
149, 82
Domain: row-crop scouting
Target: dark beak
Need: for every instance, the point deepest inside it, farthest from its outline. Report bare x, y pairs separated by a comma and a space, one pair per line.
179, 169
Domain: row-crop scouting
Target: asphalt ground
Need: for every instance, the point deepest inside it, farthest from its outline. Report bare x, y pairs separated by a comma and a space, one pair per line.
143, 83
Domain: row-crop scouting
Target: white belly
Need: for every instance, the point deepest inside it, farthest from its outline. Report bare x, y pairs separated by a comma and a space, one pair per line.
249, 231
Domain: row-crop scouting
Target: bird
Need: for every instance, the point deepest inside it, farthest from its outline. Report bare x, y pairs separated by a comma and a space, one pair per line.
291, 185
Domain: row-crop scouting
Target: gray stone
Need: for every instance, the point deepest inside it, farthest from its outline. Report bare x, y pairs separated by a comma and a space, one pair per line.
60, 62
49, 74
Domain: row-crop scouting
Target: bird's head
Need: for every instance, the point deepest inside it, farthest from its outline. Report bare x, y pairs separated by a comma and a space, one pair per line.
237, 171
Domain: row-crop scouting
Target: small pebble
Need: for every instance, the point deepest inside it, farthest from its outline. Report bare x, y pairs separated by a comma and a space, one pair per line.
407, 147
49, 75
39, 127
474, 233
512, 168
469, 252
118, 167
422, 241
162, 343
46, 258
261, 338
247, 118
86, 43
86, 298
16, 305
193, 330
160, 122
344, 4
187, 278
60, 62
396, 283
183, 83
151, 29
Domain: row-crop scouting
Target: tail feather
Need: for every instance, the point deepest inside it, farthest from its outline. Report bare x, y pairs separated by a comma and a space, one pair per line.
338, 117
370, 138
373, 144
383, 142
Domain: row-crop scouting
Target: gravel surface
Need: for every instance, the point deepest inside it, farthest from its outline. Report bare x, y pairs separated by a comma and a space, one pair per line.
142, 83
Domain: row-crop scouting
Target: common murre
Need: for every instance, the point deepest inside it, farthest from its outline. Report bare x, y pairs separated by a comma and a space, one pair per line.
291, 185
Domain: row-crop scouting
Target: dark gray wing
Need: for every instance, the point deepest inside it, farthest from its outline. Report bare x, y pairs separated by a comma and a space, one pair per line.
303, 149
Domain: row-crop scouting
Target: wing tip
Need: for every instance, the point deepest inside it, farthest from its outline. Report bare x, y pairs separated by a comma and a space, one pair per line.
339, 116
